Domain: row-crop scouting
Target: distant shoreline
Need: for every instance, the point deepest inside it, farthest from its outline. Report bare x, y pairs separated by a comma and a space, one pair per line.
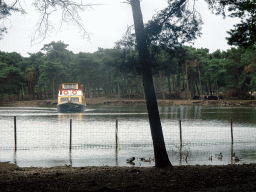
116, 101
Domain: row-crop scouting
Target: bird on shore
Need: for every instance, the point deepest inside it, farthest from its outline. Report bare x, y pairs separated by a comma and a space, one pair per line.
186, 159
219, 156
141, 158
130, 163
236, 158
130, 160
148, 160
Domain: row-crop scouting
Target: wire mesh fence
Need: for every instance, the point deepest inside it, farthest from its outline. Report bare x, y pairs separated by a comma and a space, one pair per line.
34, 133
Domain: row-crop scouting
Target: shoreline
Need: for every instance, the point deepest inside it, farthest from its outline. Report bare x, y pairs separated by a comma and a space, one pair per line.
115, 101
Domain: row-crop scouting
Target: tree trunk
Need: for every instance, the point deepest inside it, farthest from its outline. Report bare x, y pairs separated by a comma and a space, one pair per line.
208, 88
173, 83
217, 89
161, 157
44, 93
197, 89
178, 80
187, 78
90, 91
53, 95
192, 88
162, 84
199, 76
118, 89
169, 85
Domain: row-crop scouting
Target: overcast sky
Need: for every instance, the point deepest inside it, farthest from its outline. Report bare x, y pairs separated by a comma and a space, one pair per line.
106, 25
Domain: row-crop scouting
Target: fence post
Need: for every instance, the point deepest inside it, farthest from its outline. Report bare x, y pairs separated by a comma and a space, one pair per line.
116, 155
15, 134
180, 132
116, 132
70, 138
231, 125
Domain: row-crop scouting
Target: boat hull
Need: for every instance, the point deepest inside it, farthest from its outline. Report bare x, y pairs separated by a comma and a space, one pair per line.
70, 107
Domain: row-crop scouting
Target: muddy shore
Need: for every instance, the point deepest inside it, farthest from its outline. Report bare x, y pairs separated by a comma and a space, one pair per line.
177, 178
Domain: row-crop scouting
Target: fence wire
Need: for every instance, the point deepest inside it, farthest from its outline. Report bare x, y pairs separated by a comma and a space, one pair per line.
35, 134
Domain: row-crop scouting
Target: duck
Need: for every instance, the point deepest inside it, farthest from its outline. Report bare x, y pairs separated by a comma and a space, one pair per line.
141, 158
219, 156
149, 160
236, 158
130, 160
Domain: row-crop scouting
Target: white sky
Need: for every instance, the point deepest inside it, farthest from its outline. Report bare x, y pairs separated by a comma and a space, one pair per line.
106, 25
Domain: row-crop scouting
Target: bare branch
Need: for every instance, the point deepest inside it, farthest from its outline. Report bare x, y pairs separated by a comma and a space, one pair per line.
70, 13
14, 3
5, 12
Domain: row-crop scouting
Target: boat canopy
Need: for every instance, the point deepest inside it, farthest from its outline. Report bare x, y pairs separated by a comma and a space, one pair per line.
71, 86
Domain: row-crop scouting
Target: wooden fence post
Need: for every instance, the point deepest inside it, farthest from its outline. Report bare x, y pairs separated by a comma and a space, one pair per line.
70, 138
15, 134
116, 133
180, 132
231, 125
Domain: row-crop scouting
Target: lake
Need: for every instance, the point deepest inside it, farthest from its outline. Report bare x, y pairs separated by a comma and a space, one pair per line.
43, 135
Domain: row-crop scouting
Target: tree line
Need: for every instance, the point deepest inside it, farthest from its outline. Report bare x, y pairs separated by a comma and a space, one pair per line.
182, 72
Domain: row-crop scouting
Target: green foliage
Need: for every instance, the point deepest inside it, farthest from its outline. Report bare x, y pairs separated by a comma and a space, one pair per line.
11, 80
88, 70
117, 69
10, 58
174, 25
244, 33
11, 77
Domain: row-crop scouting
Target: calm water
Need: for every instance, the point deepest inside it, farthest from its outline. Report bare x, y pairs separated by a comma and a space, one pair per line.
43, 135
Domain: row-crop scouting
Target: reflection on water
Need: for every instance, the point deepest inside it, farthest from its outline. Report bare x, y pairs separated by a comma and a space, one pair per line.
43, 135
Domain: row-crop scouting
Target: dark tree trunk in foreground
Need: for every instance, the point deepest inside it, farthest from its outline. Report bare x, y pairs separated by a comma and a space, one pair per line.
161, 157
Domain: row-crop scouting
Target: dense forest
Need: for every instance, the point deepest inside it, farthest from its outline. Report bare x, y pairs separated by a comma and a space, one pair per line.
181, 72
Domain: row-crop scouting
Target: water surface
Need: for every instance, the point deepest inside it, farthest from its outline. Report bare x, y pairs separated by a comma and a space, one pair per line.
43, 135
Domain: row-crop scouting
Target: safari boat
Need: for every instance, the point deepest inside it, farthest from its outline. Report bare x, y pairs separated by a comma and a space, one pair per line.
71, 98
